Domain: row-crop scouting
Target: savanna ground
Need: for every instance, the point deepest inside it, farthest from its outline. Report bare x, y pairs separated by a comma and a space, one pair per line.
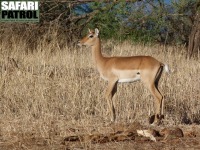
54, 93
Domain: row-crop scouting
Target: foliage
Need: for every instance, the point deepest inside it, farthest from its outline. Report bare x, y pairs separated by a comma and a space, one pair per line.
145, 21
136, 20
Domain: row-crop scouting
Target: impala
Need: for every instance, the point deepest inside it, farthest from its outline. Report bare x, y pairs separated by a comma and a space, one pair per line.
126, 69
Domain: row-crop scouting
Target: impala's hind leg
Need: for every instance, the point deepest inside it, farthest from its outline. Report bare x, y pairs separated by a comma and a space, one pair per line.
158, 103
151, 82
158, 97
156, 85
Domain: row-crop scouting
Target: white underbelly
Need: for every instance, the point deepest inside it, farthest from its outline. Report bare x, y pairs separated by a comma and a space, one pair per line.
124, 75
137, 78
127, 75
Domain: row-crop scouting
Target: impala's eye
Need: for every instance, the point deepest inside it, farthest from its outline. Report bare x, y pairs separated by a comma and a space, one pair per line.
91, 36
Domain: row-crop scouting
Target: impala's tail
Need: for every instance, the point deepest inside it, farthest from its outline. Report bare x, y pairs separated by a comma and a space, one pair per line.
166, 68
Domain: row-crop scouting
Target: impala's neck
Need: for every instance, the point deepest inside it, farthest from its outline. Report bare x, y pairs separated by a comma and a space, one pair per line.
96, 53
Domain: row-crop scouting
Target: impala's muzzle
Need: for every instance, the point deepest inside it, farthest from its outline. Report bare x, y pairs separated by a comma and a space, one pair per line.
81, 44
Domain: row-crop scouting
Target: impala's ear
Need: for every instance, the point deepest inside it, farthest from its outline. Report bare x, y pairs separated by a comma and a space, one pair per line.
96, 32
89, 30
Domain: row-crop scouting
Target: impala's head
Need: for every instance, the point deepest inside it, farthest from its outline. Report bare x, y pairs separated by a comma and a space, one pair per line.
90, 39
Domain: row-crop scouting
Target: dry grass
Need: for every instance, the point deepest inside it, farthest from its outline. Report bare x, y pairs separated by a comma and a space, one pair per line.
56, 89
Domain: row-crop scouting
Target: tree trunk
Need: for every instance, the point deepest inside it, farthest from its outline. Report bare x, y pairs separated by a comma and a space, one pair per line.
194, 38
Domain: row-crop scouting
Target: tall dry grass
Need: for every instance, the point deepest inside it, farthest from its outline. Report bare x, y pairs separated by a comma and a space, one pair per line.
56, 88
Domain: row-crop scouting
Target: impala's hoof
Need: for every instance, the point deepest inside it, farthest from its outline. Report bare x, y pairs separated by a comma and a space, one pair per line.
156, 119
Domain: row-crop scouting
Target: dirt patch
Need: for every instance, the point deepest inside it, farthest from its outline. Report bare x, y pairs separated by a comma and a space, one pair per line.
112, 136
128, 134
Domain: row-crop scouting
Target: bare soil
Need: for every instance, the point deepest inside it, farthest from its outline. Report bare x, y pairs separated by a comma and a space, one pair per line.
112, 136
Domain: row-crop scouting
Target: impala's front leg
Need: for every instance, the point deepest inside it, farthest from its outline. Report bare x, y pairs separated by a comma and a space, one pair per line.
111, 90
